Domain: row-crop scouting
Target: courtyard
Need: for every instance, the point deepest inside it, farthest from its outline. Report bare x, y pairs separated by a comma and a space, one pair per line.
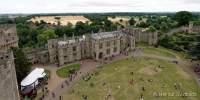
134, 79
147, 73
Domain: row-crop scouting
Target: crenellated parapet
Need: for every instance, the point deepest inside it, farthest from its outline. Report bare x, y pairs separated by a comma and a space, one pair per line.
8, 37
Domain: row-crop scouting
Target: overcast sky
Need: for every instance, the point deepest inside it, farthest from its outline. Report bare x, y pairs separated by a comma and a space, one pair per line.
67, 6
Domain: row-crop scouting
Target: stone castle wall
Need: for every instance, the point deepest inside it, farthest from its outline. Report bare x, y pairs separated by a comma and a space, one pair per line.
8, 37
8, 79
97, 46
194, 27
8, 83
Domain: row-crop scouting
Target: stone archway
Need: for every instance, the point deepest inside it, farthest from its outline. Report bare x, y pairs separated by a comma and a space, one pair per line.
100, 55
94, 54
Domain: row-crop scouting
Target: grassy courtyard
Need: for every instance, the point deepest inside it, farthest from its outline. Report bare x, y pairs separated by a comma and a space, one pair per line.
65, 71
159, 51
129, 79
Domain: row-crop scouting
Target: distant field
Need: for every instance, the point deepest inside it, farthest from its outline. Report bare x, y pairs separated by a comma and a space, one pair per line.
124, 19
64, 20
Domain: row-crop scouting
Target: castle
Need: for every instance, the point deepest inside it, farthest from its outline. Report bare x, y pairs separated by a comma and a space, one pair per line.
8, 37
194, 26
97, 46
8, 83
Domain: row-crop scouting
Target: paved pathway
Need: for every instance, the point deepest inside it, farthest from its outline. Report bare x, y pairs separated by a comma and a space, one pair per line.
86, 66
54, 79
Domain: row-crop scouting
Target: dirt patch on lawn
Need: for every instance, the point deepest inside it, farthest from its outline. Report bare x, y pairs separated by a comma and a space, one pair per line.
149, 70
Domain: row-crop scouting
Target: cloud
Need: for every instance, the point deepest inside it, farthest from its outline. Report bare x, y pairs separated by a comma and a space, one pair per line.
104, 3
193, 1
62, 6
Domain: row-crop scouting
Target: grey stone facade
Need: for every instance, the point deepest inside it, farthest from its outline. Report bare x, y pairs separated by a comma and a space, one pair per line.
37, 56
8, 37
8, 83
143, 35
108, 44
8, 79
66, 50
194, 26
96, 46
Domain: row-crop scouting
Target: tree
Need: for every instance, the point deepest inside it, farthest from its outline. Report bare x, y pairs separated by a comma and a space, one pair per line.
140, 19
167, 41
121, 20
152, 29
142, 25
23, 31
195, 52
45, 35
164, 27
132, 21
183, 17
22, 65
82, 28
68, 30
42, 22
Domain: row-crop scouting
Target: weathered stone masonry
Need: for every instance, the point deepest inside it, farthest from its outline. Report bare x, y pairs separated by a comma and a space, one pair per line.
97, 46
8, 80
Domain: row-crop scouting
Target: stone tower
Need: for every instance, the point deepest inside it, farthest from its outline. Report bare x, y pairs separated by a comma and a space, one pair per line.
8, 79
8, 83
52, 49
152, 38
8, 37
190, 27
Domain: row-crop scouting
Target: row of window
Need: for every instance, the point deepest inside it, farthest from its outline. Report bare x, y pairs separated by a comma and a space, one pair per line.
74, 48
114, 50
108, 43
74, 55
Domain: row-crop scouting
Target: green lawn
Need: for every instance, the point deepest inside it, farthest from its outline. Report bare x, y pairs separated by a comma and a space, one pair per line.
125, 80
159, 51
64, 71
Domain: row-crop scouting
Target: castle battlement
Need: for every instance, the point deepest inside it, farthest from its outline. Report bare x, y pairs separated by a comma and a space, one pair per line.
8, 37
96, 46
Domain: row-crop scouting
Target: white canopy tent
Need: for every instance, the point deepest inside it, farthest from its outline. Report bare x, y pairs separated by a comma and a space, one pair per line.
32, 78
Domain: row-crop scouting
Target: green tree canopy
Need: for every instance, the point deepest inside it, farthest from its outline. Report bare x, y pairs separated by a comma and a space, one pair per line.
183, 17
195, 52
22, 65
132, 21
45, 35
152, 29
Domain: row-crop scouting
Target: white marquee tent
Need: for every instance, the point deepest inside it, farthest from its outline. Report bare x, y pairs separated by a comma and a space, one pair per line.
32, 78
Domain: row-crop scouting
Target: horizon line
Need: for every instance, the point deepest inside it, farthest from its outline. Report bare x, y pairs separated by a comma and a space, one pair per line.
94, 12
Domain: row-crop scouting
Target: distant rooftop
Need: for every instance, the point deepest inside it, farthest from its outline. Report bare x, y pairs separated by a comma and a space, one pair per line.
70, 41
102, 35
